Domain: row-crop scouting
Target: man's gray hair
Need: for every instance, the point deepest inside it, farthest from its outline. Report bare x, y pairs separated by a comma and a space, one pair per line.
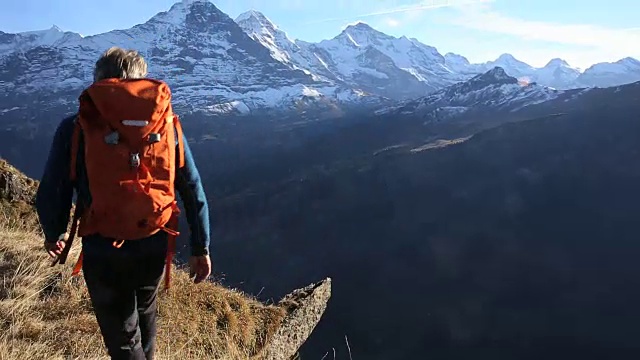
121, 64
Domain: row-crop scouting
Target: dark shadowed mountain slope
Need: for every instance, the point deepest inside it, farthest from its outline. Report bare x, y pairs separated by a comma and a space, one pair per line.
519, 243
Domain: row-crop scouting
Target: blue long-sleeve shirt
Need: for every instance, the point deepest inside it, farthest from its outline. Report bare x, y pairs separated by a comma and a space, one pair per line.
55, 194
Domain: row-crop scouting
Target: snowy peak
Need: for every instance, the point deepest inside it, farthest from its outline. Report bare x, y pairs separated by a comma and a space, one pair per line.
556, 74
360, 57
557, 62
497, 75
618, 66
490, 84
188, 3
254, 15
264, 31
53, 36
255, 23
54, 29
397, 68
623, 71
196, 27
456, 59
629, 61
361, 27
508, 60
361, 34
511, 65
46, 37
461, 65
189, 12
204, 14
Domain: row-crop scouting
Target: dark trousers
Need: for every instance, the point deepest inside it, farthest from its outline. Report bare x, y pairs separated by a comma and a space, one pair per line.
123, 286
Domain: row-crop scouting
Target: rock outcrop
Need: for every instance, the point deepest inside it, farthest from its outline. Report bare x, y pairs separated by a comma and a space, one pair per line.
305, 308
15, 186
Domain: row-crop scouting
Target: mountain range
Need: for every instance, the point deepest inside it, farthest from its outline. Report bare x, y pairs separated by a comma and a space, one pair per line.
462, 210
216, 64
362, 55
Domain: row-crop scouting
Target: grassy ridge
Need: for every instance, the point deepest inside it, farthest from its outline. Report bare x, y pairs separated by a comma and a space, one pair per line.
46, 313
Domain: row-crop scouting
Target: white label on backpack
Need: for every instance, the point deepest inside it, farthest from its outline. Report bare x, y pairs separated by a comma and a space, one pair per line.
140, 123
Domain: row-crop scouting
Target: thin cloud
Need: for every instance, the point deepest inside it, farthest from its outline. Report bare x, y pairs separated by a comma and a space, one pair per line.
425, 5
614, 41
392, 22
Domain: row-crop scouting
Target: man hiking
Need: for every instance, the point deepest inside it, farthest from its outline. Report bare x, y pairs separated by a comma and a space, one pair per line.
126, 157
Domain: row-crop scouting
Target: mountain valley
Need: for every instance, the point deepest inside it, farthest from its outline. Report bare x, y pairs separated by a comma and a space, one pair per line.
461, 210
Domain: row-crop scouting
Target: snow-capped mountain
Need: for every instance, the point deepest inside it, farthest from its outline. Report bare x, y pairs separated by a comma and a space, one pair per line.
50, 37
623, 71
281, 47
404, 66
461, 65
557, 74
511, 65
401, 68
359, 57
494, 89
205, 56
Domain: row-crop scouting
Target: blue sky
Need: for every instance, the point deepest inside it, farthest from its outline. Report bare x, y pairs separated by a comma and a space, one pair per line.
582, 32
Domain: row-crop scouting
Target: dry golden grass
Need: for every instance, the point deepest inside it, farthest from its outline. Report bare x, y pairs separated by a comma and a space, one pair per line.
46, 314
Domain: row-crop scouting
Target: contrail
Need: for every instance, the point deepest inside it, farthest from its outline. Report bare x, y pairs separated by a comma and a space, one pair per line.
403, 9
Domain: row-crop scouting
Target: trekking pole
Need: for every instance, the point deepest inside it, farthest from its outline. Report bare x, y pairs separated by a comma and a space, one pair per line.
74, 227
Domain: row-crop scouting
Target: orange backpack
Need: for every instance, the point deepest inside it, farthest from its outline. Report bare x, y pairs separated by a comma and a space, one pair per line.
130, 134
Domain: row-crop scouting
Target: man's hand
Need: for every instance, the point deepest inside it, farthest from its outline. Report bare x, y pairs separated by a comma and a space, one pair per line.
54, 249
200, 267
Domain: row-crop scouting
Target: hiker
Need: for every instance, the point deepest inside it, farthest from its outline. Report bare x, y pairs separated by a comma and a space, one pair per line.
116, 154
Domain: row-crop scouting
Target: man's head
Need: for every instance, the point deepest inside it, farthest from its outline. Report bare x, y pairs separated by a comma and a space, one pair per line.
121, 64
